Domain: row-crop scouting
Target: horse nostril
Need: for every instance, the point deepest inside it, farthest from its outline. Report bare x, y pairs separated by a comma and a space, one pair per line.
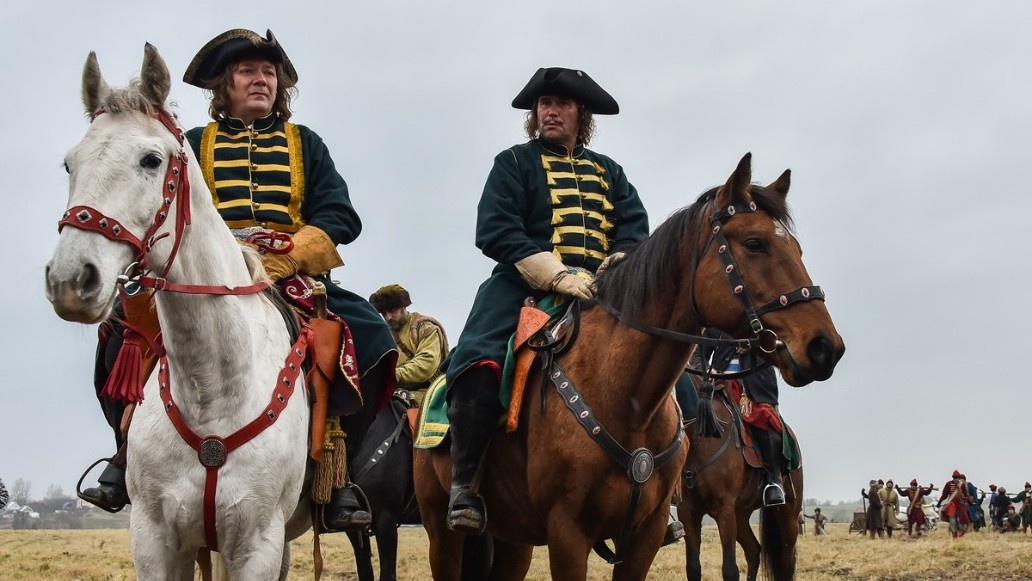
821, 352
89, 280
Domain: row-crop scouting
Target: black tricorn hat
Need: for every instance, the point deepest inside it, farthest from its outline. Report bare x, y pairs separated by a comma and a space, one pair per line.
571, 83
390, 297
231, 46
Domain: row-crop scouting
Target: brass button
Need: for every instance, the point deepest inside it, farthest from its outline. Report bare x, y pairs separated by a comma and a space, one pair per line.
263, 224
254, 146
254, 166
254, 185
255, 205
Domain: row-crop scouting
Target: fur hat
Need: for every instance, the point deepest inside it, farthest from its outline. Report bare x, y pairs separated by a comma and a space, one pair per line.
913, 482
956, 473
1027, 485
233, 45
561, 82
992, 487
873, 482
390, 297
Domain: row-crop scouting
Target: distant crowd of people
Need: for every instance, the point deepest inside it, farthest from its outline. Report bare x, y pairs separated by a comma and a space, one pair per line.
960, 503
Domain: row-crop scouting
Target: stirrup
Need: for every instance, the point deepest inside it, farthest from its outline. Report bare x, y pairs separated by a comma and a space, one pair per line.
467, 513
674, 533
346, 512
107, 496
773, 495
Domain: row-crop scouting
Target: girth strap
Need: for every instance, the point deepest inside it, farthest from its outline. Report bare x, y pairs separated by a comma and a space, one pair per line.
640, 464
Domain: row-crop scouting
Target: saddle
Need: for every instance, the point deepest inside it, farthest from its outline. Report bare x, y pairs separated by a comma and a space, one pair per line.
791, 456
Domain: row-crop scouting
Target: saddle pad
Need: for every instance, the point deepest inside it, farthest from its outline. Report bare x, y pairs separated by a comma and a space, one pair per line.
433, 415
793, 458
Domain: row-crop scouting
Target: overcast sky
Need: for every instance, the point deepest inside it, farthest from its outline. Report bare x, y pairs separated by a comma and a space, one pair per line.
906, 126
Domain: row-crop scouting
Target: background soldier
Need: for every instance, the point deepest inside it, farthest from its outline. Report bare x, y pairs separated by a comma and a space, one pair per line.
422, 343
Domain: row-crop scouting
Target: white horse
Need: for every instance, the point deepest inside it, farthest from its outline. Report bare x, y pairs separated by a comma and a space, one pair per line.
226, 352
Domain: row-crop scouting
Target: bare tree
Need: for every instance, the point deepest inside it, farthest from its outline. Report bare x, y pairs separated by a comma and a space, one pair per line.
21, 490
55, 493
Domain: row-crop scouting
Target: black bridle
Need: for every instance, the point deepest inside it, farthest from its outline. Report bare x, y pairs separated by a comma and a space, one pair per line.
764, 339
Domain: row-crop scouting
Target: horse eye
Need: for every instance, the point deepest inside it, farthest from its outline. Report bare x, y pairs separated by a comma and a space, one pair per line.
151, 161
754, 245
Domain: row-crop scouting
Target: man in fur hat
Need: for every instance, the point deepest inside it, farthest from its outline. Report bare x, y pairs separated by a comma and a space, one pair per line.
955, 496
422, 343
915, 512
549, 205
890, 504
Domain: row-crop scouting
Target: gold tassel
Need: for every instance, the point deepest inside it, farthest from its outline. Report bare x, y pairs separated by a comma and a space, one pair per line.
607, 206
339, 455
323, 485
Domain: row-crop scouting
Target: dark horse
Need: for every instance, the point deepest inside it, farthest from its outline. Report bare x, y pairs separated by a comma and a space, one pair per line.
383, 469
553, 481
720, 483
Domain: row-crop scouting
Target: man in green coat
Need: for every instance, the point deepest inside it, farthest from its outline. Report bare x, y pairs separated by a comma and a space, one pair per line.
549, 205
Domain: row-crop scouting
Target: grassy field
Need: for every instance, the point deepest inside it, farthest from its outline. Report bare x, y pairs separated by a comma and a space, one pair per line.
104, 555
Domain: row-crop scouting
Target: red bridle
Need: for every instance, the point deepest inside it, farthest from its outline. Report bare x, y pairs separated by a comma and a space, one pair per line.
212, 450
176, 191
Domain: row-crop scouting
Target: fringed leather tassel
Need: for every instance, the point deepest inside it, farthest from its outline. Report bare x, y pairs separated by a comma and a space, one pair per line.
323, 485
125, 383
708, 426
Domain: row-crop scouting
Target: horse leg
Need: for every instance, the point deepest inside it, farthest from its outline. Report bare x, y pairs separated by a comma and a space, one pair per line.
385, 528
152, 557
363, 555
568, 549
643, 546
511, 562
750, 545
728, 528
257, 556
692, 521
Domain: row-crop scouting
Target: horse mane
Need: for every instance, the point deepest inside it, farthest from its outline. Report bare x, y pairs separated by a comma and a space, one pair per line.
656, 260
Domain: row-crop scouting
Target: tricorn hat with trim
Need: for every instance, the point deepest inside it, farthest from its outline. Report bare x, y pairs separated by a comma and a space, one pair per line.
231, 46
571, 83
390, 297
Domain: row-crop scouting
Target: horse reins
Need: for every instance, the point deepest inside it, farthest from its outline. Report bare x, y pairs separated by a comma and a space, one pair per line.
212, 450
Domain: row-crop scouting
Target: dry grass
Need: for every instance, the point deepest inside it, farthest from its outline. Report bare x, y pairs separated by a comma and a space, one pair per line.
104, 555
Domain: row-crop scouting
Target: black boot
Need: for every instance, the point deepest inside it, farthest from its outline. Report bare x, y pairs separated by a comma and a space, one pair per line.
674, 532
345, 512
473, 412
770, 449
111, 494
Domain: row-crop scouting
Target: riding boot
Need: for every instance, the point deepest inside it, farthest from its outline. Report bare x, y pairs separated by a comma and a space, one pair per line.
345, 512
770, 449
473, 412
674, 531
111, 494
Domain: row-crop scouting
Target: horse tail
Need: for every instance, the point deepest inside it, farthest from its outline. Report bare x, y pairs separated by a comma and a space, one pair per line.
778, 546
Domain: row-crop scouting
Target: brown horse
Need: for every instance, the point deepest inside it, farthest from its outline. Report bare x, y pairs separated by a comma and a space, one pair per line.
553, 481
719, 482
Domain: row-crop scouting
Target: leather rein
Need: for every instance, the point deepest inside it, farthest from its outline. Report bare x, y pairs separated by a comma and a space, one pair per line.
212, 450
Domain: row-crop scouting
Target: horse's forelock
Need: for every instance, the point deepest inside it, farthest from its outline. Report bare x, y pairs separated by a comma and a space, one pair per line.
126, 99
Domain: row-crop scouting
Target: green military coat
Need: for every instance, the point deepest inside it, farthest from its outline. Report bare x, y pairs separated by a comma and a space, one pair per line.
280, 176
539, 197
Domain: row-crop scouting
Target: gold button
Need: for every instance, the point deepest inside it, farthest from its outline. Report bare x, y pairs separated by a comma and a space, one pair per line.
254, 166
254, 185
263, 224
255, 205
254, 146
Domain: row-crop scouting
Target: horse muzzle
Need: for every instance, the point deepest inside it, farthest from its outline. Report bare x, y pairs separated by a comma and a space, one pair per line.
78, 298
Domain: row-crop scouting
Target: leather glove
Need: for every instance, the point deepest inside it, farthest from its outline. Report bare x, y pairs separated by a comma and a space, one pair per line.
544, 271
313, 254
610, 261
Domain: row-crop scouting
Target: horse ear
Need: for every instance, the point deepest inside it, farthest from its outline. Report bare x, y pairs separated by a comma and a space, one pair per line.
781, 184
737, 186
156, 81
94, 88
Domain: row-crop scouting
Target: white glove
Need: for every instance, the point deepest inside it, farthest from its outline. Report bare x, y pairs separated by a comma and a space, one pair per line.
610, 261
544, 271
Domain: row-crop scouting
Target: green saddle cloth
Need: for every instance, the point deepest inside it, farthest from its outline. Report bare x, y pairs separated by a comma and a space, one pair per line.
433, 416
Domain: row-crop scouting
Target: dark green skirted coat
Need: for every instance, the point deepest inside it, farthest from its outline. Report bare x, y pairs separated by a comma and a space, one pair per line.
538, 198
280, 175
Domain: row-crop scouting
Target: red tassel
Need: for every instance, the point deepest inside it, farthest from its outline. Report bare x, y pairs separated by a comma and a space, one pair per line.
124, 383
